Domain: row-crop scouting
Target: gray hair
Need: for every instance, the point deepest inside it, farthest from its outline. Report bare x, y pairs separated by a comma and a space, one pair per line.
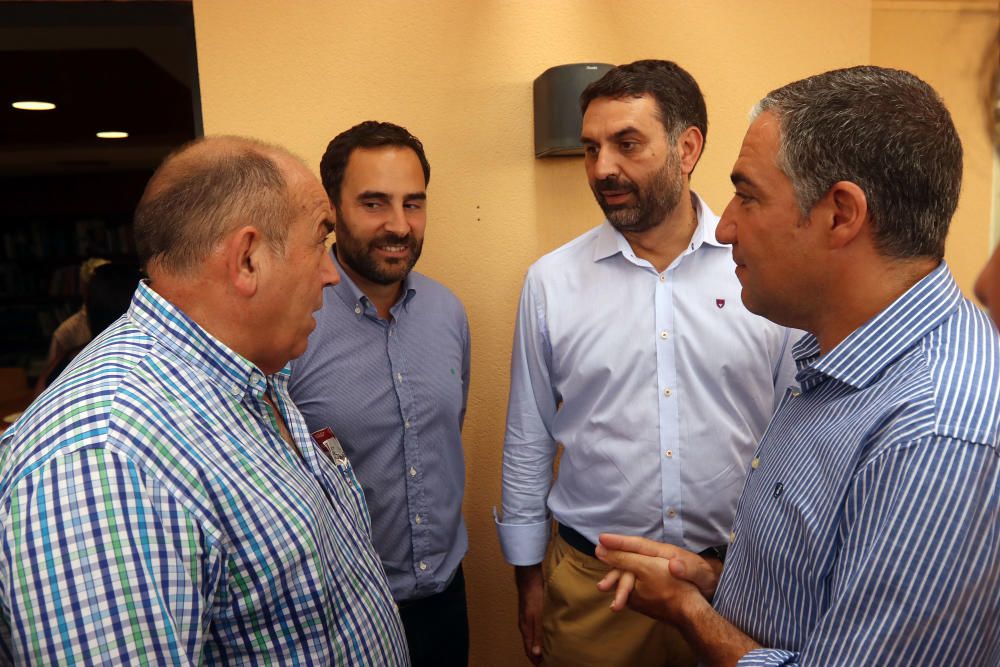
884, 130
203, 191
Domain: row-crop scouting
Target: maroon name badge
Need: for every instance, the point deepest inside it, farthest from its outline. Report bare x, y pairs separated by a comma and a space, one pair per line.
328, 442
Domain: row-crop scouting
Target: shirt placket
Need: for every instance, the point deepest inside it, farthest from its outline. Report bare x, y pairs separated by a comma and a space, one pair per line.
256, 388
669, 422
419, 514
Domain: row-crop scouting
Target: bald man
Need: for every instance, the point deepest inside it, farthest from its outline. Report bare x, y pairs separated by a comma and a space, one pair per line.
163, 501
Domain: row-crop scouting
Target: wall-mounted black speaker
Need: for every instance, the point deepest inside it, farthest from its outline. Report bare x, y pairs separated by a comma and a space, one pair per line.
557, 107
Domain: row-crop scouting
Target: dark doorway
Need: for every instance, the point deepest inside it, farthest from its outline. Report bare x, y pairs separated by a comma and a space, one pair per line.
67, 195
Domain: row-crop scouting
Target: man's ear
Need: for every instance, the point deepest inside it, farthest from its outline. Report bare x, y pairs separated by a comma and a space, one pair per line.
689, 146
843, 212
243, 249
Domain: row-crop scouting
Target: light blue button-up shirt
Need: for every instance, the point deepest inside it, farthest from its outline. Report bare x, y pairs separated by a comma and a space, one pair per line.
658, 385
394, 393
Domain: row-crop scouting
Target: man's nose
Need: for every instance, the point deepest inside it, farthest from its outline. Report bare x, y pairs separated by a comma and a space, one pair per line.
328, 271
605, 165
397, 222
725, 231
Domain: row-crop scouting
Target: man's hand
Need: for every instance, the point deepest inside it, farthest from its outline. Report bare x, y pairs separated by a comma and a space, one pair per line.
673, 585
653, 578
530, 586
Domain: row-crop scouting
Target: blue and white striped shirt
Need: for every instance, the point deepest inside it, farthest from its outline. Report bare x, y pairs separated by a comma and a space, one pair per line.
869, 529
152, 513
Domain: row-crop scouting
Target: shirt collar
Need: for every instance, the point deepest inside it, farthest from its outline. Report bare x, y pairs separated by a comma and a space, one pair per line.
355, 299
610, 241
177, 332
865, 353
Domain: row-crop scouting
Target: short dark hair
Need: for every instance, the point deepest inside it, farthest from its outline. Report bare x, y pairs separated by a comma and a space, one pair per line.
679, 101
884, 130
369, 134
201, 191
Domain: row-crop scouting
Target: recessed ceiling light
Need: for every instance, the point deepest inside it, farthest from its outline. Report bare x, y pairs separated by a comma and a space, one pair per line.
112, 135
33, 106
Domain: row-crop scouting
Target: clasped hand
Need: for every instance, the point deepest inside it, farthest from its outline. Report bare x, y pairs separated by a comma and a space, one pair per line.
659, 580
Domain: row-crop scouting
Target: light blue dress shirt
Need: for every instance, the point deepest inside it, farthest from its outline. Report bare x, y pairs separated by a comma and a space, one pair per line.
658, 386
868, 532
394, 393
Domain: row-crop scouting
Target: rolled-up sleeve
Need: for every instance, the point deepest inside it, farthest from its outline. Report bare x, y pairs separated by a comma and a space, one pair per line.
529, 448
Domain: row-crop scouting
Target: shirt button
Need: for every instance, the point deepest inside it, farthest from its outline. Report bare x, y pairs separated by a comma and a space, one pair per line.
667, 393
671, 513
422, 566
663, 278
357, 308
670, 453
413, 471
399, 377
664, 334
755, 463
418, 519
406, 424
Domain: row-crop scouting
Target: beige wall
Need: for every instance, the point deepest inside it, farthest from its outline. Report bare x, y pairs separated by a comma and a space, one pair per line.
945, 43
458, 74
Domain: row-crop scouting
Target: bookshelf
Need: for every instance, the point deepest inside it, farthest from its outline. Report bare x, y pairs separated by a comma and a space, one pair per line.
49, 224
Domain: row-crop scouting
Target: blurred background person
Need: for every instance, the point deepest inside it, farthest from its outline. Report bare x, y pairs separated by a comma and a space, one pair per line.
73, 333
110, 292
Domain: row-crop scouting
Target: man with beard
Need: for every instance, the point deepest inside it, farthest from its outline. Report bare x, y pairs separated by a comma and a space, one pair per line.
387, 373
632, 349
867, 530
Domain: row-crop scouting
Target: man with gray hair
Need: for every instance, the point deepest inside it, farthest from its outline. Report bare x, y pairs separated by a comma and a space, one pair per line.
163, 502
867, 530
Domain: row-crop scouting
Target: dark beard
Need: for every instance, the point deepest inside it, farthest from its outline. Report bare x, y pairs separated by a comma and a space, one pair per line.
655, 200
358, 257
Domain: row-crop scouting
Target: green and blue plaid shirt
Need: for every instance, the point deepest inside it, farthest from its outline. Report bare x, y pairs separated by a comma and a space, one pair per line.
151, 513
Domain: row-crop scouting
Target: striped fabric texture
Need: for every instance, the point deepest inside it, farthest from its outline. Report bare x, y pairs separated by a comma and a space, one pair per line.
869, 529
394, 392
152, 514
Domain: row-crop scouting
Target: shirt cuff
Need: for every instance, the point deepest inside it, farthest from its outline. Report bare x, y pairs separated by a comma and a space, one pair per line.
769, 657
523, 543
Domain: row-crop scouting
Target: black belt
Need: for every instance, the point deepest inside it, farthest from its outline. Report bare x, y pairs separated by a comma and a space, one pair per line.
576, 540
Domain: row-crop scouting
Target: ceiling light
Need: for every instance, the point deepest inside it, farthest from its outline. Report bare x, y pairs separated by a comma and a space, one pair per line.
33, 106
112, 135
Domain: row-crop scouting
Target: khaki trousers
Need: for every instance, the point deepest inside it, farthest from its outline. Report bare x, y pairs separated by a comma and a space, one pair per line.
580, 630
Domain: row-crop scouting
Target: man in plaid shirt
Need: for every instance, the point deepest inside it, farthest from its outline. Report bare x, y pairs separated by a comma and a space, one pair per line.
163, 501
